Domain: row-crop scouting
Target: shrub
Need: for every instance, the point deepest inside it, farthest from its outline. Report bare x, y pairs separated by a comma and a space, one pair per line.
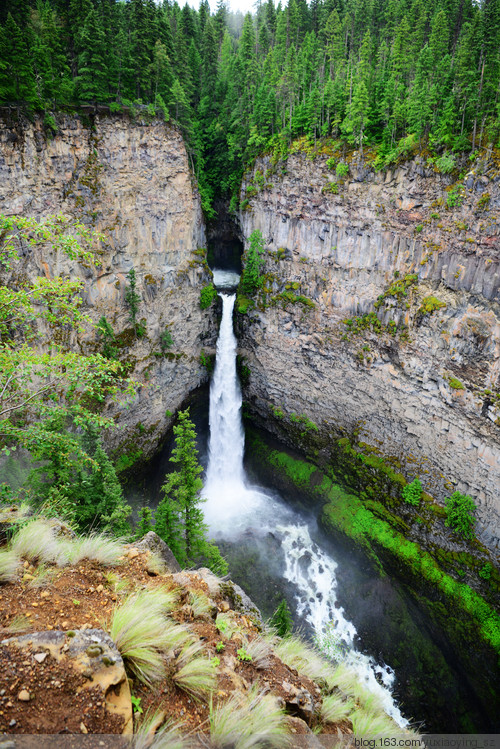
484, 202
166, 340
430, 304
459, 510
107, 335
250, 278
485, 571
446, 163
455, 384
132, 298
207, 295
342, 169
244, 655
412, 493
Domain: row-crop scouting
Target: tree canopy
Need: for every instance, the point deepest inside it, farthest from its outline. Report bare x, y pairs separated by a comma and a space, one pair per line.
373, 72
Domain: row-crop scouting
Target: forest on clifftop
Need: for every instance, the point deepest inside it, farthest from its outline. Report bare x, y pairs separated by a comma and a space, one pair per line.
391, 75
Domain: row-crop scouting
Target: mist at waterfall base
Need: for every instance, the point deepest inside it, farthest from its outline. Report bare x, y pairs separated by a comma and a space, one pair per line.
234, 507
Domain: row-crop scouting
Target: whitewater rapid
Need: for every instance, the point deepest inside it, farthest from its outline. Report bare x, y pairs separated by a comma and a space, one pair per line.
233, 506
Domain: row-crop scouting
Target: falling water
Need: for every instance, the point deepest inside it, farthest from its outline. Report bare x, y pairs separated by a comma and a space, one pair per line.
233, 506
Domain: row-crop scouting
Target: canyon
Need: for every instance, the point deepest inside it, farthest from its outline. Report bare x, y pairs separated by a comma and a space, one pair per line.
379, 315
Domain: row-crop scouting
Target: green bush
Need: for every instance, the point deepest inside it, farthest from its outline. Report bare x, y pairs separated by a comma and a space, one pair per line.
342, 169
459, 510
166, 340
207, 295
108, 338
485, 571
446, 163
412, 493
430, 304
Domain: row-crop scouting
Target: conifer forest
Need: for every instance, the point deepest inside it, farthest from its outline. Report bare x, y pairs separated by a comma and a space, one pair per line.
384, 73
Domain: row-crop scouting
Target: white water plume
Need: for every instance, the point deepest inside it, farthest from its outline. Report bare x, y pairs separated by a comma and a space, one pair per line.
233, 507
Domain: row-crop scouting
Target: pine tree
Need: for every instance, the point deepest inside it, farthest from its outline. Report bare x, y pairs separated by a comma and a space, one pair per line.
282, 620
250, 278
92, 81
179, 519
145, 523
96, 492
17, 82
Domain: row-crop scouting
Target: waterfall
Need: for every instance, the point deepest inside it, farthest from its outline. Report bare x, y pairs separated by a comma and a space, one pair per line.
226, 445
233, 506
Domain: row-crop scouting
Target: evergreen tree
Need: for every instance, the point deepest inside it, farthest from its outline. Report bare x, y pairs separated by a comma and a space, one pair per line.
145, 523
92, 81
179, 518
250, 278
282, 620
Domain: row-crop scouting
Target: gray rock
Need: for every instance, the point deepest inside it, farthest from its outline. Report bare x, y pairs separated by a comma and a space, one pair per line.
93, 653
143, 199
157, 545
346, 254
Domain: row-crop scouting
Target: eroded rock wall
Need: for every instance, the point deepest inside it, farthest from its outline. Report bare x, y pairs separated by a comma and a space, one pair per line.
130, 180
423, 386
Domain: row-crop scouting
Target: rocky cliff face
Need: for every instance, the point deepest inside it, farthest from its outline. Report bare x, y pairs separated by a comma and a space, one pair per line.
417, 379
130, 180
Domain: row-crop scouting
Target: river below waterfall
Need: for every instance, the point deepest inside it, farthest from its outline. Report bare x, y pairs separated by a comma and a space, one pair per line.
275, 550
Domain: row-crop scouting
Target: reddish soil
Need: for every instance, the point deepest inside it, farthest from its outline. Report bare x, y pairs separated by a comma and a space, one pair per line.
55, 705
83, 597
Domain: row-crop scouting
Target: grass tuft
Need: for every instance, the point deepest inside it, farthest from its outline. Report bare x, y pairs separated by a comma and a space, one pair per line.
36, 541
20, 623
9, 565
195, 673
43, 577
200, 604
247, 722
335, 708
138, 629
97, 547
260, 653
305, 659
368, 724
149, 736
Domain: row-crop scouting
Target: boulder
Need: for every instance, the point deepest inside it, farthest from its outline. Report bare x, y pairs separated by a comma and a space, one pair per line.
152, 542
91, 653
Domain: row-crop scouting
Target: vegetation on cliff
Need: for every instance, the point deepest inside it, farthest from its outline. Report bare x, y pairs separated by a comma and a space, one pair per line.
390, 74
